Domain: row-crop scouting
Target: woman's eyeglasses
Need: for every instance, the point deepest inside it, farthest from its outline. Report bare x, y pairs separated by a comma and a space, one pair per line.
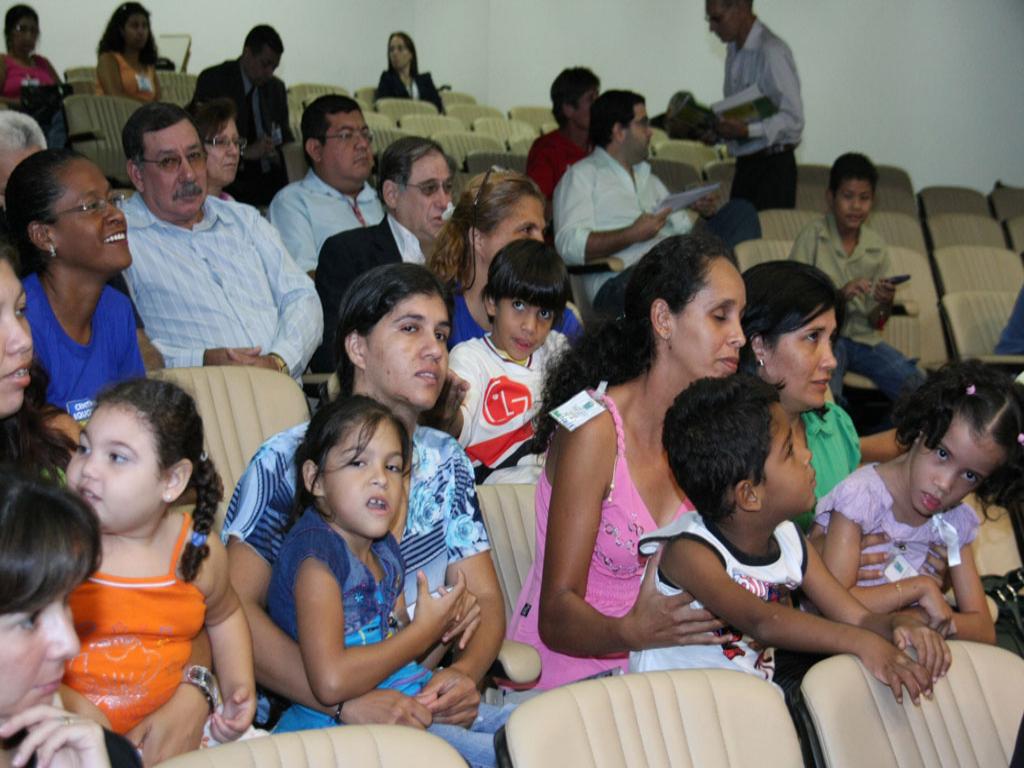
224, 142
98, 206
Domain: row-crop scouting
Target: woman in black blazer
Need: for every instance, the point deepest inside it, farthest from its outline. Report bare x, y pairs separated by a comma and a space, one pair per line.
402, 78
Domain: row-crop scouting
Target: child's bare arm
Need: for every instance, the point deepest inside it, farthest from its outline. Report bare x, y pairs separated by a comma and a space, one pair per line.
694, 567
841, 555
232, 645
75, 702
838, 604
337, 673
972, 617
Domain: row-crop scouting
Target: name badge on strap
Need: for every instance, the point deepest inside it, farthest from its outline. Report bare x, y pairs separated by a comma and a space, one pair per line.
579, 409
949, 537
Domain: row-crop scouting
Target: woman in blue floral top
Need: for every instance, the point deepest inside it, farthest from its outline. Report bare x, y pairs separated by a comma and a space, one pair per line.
392, 332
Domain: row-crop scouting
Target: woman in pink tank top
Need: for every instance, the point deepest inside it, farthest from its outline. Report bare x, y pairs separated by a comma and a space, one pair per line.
583, 604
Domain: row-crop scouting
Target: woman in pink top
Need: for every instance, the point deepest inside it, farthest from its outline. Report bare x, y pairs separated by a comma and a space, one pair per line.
21, 65
583, 605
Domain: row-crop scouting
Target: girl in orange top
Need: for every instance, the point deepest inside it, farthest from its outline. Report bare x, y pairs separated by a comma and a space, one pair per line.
127, 56
161, 579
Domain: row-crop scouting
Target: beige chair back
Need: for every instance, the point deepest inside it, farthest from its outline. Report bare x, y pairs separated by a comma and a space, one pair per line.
448, 98
977, 268
521, 146
975, 319
965, 229
894, 198
721, 171
510, 519
241, 408
367, 94
396, 109
1007, 202
295, 163
80, 73
894, 176
480, 161
457, 144
939, 200
538, 116
428, 125
1015, 230
919, 333
899, 229
810, 196
754, 252
348, 746
712, 718
385, 137
676, 175
303, 93
970, 722
812, 174
468, 113
693, 152
375, 120
784, 224
94, 128
504, 130
177, 87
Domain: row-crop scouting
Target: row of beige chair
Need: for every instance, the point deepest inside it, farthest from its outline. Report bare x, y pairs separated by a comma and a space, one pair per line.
685, 718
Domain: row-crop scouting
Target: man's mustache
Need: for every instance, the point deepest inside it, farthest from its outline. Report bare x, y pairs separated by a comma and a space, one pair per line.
188, 189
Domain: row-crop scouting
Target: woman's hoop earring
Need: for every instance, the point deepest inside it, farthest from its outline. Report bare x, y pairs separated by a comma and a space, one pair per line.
53, 251
760, 363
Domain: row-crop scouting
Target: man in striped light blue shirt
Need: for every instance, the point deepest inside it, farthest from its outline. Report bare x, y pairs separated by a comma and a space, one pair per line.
211, 279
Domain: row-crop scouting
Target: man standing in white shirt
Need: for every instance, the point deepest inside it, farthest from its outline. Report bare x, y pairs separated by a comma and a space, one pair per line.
415, 180
334, 196
609, 203
765, 163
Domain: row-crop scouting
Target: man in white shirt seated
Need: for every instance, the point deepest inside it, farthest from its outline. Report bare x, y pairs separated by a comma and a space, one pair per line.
334, 196
610, 203
415, 181
211, 279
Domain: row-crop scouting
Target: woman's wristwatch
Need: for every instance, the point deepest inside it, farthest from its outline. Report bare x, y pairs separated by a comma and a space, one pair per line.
203, 679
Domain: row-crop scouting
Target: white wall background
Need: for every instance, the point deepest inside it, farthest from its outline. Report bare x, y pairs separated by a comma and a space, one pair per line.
932, 85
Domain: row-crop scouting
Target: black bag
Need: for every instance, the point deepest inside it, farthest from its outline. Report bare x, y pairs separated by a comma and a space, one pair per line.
1006, 592
43, 102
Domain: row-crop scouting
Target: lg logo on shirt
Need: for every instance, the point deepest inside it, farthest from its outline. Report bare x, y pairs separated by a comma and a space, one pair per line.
505, 399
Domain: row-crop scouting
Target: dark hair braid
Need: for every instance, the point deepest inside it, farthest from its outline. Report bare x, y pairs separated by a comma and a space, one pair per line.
209, 492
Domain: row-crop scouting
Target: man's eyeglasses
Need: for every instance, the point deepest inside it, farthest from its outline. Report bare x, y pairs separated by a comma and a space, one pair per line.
98, 206
224, 142
430, 187
346, 135
172, 163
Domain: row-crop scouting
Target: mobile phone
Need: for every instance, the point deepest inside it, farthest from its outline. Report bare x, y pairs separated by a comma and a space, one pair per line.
897, 279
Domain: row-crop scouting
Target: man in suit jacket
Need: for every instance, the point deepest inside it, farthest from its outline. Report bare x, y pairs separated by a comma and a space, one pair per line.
415, 184
262, 106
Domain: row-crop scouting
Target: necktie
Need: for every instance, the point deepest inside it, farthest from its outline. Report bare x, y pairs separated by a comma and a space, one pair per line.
356, 212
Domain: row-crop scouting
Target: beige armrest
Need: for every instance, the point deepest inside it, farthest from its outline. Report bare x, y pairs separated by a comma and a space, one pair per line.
1004, 360
520, 662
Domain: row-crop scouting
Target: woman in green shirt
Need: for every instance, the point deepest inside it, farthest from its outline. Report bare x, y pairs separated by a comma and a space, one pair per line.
791, 322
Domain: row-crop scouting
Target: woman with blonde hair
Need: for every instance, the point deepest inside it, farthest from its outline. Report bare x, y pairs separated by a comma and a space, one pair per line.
494, 209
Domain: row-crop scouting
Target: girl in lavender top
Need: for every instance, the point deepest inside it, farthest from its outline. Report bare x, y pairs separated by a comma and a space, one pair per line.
965, 427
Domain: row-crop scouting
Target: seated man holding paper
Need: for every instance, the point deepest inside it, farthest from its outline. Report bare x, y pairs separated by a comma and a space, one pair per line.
610, 204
